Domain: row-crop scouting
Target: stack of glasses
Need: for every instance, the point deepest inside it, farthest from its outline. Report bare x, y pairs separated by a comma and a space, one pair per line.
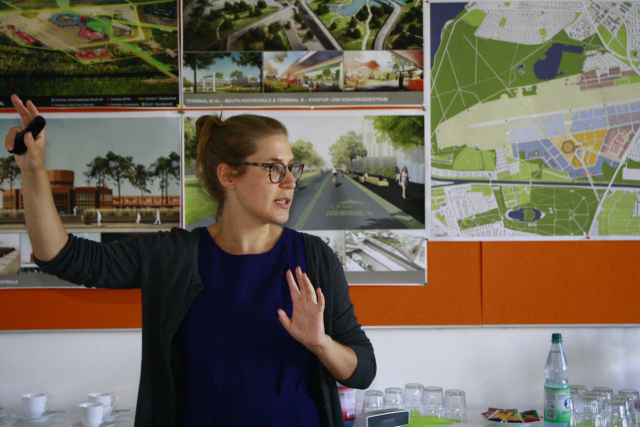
420, 401
601, 408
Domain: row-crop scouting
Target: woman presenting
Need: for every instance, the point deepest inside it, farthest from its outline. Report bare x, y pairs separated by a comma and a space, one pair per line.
244, 323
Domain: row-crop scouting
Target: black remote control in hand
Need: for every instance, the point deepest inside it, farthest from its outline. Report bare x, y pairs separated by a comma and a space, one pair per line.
35, 127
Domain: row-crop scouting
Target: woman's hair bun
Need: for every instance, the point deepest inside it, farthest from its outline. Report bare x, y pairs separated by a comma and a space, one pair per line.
206, 121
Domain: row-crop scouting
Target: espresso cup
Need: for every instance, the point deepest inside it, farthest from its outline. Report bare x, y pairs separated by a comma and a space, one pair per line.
92, 414
109, 400
35, 404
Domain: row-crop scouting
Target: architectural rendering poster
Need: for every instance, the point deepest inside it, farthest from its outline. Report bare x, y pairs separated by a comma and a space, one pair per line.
535, 110
375, 226
90, 54
107, 174
278, 53
17, 266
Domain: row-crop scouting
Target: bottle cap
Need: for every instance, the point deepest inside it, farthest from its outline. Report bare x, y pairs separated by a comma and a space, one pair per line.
556, 337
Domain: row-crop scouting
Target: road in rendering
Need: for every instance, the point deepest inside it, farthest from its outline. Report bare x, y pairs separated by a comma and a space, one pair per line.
318, 205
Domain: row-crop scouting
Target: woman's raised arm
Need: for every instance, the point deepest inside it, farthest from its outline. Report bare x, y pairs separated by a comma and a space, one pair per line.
45, 229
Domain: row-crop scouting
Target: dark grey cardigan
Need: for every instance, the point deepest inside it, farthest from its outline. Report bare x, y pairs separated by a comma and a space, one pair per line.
165, 266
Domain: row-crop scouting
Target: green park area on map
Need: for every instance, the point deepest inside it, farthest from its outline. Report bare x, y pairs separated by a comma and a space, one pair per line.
535, 113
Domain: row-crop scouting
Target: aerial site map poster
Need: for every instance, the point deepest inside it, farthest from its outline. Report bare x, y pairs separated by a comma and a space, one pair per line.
90, 53
535, 110
308, 52
376, 228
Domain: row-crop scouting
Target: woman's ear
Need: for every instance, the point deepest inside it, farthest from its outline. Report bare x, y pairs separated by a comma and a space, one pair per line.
226, 176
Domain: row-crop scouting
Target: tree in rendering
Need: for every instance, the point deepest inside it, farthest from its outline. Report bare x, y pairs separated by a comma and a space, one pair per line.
166, 169
272, 59
274, 43
190, 144
140, 177
186, 83
237, 74
10, 172
402, 132
402, 63
274, 27
251, 59
97, 170
347, 148
327, 74
118, 168
226, 25
303, 152
201, 61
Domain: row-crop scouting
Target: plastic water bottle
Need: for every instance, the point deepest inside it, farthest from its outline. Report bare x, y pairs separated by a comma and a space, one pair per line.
557, 391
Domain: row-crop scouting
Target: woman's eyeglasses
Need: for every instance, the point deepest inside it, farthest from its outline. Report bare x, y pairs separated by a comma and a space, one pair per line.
277, 170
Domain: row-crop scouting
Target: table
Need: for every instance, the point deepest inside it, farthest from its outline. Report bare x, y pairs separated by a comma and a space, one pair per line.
66, 418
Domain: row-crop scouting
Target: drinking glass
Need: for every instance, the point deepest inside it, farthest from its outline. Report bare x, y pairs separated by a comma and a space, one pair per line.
588, 411
601, 399
608, 391
573, 409
578, 389
393, 397
433, 401
628, 400
455, 405
373, 400
412, 398
616, 414
635, 395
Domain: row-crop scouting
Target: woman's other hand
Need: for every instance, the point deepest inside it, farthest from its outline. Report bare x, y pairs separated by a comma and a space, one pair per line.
307, 319
33, 158
307, 326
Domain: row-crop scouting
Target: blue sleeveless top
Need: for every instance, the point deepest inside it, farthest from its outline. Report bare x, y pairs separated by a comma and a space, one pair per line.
240, 366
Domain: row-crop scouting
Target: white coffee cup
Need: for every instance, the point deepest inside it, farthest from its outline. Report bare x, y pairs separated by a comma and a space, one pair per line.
109, 400
35, 404
92, 414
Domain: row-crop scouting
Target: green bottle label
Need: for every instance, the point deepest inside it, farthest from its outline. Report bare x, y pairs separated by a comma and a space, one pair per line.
557, 404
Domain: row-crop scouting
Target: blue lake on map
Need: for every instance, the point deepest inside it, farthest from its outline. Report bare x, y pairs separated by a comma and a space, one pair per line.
440, 14
519, 214
547, 69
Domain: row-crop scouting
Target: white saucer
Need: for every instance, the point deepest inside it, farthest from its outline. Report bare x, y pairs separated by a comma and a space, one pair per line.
105, 424
114, 415
43, 417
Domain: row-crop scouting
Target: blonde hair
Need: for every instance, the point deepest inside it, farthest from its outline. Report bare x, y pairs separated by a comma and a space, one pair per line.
228, 141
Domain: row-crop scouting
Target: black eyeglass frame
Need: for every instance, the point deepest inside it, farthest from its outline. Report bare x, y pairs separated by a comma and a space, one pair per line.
271, 165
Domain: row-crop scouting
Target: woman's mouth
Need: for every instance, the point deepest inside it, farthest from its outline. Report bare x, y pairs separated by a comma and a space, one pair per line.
284, 203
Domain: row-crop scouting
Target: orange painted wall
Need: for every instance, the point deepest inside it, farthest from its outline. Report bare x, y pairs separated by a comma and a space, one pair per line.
471, 283
561, 282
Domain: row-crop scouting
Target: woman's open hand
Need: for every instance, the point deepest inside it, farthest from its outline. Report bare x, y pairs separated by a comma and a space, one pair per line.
33, 159
307, 319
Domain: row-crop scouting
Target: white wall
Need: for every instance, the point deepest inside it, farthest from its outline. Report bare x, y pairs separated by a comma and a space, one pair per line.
496, 366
